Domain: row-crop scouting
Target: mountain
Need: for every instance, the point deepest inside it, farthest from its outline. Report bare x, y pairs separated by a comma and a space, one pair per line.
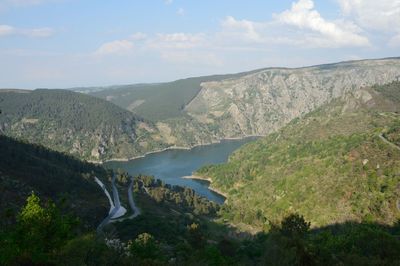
183, 113
208, 109
78, 124
26, 168
158, 101
338, 163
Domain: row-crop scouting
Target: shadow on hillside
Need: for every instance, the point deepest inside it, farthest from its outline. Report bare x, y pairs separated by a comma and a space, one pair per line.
52, 175
289, 243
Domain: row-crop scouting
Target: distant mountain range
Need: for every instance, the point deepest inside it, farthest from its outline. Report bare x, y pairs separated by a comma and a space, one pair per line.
182, 113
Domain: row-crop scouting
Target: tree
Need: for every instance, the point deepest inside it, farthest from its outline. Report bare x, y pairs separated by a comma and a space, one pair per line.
122, 176
294, 228
39, 232
145, 247
195, 236
294, 225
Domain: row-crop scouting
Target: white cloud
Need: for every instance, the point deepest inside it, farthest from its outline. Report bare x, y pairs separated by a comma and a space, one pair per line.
41, 32
168, 2
180, 11
383, 15
177, 41
118, 47
6, 30
319, 31
244, 29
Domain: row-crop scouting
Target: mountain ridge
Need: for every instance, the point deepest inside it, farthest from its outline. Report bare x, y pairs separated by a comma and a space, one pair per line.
192, 113
116, 86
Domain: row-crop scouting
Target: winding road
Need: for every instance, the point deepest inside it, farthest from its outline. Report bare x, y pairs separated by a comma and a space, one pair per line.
116, 210
135, 209
105, 192
120, 209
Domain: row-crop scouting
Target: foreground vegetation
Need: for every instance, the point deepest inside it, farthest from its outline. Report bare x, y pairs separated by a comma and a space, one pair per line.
43, 236
176, 227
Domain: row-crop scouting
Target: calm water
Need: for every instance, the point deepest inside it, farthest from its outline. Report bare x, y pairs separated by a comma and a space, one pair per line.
171, 165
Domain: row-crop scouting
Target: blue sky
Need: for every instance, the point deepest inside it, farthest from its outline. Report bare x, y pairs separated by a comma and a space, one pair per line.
66, 43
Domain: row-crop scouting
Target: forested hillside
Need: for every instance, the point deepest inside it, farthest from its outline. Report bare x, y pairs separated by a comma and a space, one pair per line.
339, 163
26, 168
81, 125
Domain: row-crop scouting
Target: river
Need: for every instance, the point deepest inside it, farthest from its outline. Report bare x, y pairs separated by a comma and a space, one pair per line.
171, 165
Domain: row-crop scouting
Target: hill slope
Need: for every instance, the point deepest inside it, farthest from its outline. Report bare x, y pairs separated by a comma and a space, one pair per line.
157, 101
75, 123
332, 165
51, 175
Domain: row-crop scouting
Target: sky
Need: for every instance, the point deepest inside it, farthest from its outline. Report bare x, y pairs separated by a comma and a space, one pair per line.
72, 43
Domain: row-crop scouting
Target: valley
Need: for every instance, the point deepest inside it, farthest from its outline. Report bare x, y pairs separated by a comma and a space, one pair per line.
173, 165
199, 133
305, 162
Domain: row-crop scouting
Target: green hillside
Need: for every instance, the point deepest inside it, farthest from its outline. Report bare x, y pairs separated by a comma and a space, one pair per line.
315, 166
332, 165
51, 175
176, 227
158, 101
74, 123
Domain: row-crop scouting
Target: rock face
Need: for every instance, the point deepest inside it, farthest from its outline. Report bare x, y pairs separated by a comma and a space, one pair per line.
263, 102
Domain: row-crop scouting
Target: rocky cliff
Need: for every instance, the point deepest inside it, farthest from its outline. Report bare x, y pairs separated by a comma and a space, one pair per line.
263, 102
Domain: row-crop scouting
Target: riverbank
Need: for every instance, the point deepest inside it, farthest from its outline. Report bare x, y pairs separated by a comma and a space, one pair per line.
172, 148
209, 180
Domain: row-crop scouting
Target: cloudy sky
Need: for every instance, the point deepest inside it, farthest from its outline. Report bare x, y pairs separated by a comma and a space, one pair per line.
66, 43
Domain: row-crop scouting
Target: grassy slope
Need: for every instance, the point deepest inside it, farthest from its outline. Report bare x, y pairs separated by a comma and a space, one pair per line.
51, 175
331, 166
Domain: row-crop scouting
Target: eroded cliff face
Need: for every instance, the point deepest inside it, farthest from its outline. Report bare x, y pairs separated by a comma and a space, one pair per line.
265, 101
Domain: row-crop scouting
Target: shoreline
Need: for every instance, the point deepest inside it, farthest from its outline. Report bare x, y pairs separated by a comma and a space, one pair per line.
171, 148
203, 178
